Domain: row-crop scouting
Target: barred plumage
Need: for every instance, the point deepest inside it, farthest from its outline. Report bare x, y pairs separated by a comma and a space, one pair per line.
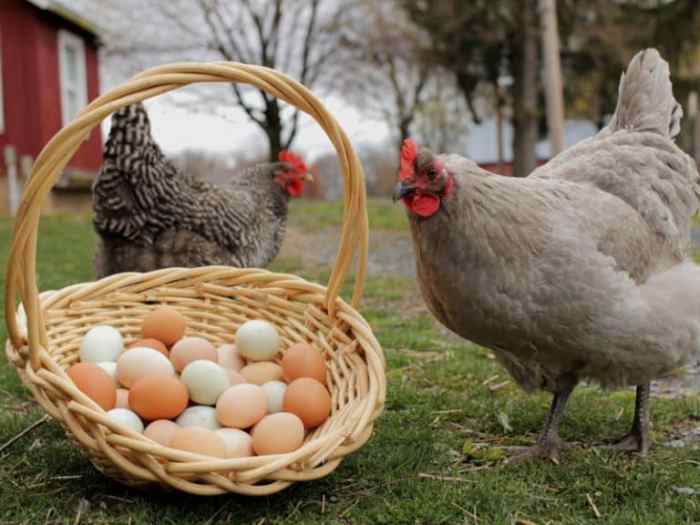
149, 215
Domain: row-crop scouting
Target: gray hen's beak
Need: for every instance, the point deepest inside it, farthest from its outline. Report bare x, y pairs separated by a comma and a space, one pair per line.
400, 191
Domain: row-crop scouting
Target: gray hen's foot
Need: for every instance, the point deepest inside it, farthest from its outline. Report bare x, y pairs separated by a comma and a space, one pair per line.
548, 450
635, 441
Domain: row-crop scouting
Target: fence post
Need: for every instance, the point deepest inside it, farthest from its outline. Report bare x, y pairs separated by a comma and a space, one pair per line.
12, 182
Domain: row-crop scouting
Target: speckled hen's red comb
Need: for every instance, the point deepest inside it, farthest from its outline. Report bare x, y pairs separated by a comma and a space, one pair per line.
409, 152
298, 165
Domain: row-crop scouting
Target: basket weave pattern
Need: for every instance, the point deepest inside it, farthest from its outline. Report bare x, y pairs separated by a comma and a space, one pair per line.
46, 330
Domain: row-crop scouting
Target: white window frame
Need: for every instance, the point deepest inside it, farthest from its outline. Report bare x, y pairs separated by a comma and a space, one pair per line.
66, 41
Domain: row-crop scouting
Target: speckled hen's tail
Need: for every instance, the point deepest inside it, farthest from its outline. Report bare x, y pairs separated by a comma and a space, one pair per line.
130, 127
645, 97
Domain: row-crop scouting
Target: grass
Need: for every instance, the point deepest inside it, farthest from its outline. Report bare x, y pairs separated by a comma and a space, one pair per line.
434, 458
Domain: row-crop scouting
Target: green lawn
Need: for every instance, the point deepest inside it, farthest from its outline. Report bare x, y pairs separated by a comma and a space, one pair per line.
441, 401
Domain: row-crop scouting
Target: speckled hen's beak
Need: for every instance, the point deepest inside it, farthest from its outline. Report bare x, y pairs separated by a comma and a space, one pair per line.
308, 177
400, 191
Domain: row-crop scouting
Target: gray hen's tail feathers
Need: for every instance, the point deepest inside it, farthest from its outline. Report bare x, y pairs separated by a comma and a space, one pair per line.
645, 97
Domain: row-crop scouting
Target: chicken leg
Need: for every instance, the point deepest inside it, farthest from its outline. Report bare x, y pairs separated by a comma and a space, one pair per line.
549, 444
637, 440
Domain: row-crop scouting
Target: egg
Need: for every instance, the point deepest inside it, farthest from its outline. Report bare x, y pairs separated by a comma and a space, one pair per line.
165, 324
191, 349
199, 416
228, 357
278, 434
257, 340
205, 381
158, 397
122, 398
262, 372
200, 441
241, 406
95, 383
150, 343
111, 368
301, 360
127, 418
308, 399
161, 431
101, 343
235, 378
139, 362
274, 391
239, 444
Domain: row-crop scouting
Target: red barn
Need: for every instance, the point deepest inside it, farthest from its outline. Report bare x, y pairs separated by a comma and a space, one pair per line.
48, 72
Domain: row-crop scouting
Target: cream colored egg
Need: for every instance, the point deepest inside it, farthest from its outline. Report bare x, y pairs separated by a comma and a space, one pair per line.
161, 431
139, 362
111, 368
257, 340
205, 381
229, 357
241, 406
239, 444
122, 398
274, 390
199, 416
127, 418
262, 372
101, 343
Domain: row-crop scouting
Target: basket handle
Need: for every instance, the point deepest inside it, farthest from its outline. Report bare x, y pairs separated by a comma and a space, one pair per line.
21, 270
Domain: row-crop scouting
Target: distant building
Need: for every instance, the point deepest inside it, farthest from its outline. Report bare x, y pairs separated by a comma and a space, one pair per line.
483, 149
48, 72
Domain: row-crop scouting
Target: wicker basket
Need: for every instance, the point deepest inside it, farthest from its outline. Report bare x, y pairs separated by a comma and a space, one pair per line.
44, 341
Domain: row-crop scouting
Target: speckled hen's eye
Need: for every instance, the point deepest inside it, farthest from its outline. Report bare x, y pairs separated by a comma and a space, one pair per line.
431, 173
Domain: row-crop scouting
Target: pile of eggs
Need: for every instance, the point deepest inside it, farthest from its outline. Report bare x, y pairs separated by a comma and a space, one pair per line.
233, 401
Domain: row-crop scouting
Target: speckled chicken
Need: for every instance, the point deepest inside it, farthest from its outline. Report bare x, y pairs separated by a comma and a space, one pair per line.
149, 215
577, 272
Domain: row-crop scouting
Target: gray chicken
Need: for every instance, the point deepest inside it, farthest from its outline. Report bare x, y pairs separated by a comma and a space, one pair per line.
577, 272
149, 215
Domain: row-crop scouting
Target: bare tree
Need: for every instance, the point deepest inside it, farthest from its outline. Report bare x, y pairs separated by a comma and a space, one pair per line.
293, 36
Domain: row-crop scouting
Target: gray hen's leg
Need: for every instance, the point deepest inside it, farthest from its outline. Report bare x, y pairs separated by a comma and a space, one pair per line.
549, 444
637, 440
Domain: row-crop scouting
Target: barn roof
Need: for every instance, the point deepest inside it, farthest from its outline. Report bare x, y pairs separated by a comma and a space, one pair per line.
75, 18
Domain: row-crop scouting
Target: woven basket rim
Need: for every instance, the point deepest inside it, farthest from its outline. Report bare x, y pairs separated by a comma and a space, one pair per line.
28, 344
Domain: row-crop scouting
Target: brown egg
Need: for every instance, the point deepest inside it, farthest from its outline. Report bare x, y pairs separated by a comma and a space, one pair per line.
150, 343
161, 431
308, 399
158, 397
236, 378
190, 349
241, 406
95, 383
200, 441
122, 398
229, 357
262, 372
302, 360
165, 324
278, 434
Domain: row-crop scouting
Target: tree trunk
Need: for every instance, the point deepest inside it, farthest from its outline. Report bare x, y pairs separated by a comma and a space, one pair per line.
525, 70
552, 77
273, 130
499, 131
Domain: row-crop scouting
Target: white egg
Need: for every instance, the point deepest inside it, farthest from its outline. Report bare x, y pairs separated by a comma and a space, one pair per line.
142, 361
239, 443
127, 418
199, 416
205, 381
274, 390
257, 340
101, 343
111, 368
